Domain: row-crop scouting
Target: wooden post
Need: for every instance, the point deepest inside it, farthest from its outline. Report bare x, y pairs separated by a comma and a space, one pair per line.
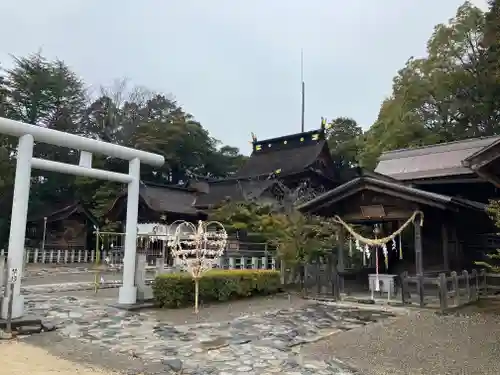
456, 247
465, 274
419, 267
318, 276
196, 294
265, 263
340, 262
421, 290
335, 278
404, 292
444, 237
454, 283
340, 250
484, 285
443, 292
282, 272
475, 285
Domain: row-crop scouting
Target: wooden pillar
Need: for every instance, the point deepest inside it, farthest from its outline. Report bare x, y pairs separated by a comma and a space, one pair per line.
419, 267
456, 247
340, 250
444, 237
340, 260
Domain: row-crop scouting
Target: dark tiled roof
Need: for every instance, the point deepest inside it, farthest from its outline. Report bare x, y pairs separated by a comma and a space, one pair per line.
234, 190
411, 193
169, 199
60, 211
290, 154
432, 161
159, 198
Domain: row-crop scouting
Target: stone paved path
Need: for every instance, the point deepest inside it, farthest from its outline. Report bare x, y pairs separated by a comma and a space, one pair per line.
252, 344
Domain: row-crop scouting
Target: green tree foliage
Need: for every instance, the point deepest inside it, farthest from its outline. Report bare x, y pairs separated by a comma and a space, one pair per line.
241, 216
48, 93
494, 264
298, 238
344, 140
488, 90
439, 98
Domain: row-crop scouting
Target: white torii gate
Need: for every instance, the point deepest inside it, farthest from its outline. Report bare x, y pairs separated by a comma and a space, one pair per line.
28, 134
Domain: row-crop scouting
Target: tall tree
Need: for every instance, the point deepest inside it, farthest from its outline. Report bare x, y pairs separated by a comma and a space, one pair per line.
344, 140
486, 91
49, 94
431, 99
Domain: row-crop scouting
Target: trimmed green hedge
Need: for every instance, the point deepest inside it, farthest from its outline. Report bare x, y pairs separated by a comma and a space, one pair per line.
177, 289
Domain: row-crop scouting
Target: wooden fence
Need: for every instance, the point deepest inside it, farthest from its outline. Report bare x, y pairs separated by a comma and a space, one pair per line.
231, 259
316, 279
236, 252
446, 291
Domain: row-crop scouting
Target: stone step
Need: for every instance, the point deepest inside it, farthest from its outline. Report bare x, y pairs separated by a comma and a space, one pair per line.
24, 326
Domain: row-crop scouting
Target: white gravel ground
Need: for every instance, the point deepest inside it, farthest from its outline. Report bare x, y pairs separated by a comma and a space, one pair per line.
420, 343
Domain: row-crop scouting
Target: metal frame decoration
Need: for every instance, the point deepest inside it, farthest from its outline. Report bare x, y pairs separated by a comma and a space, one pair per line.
198, 249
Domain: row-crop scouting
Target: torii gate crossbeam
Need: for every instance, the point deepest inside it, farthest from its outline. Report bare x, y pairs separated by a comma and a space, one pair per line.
28, 134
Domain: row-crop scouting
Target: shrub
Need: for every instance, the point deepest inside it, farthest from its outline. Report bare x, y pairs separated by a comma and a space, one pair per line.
177, 289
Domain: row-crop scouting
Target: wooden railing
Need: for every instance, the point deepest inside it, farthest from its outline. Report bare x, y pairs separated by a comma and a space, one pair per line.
444, 291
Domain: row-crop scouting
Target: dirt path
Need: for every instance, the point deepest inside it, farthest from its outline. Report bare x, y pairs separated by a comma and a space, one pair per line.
19, 358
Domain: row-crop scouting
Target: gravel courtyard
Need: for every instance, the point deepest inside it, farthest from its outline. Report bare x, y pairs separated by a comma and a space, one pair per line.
285, 335
421, 343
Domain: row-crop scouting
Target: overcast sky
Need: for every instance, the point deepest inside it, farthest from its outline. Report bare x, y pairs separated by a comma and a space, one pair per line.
234, 64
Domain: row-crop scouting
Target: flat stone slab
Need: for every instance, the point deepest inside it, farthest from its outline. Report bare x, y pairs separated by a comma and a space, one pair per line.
133, 306
253, 344
26, 320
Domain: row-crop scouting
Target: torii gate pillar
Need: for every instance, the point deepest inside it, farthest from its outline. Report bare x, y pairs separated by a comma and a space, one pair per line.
28, 134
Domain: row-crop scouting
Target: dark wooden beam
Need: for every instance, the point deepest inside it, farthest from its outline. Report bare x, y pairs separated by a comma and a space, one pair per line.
488, 177
406, 197
444, 237
391, 216
472, 180
328, 202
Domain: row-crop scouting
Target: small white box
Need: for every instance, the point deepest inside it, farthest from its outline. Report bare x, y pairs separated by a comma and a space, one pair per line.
386, 283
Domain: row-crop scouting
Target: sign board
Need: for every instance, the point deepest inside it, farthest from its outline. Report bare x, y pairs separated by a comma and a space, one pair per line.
13, 275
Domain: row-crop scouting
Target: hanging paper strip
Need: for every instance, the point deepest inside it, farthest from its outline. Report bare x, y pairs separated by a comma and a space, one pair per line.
350, 246
362, 250
386, 256
377, 282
